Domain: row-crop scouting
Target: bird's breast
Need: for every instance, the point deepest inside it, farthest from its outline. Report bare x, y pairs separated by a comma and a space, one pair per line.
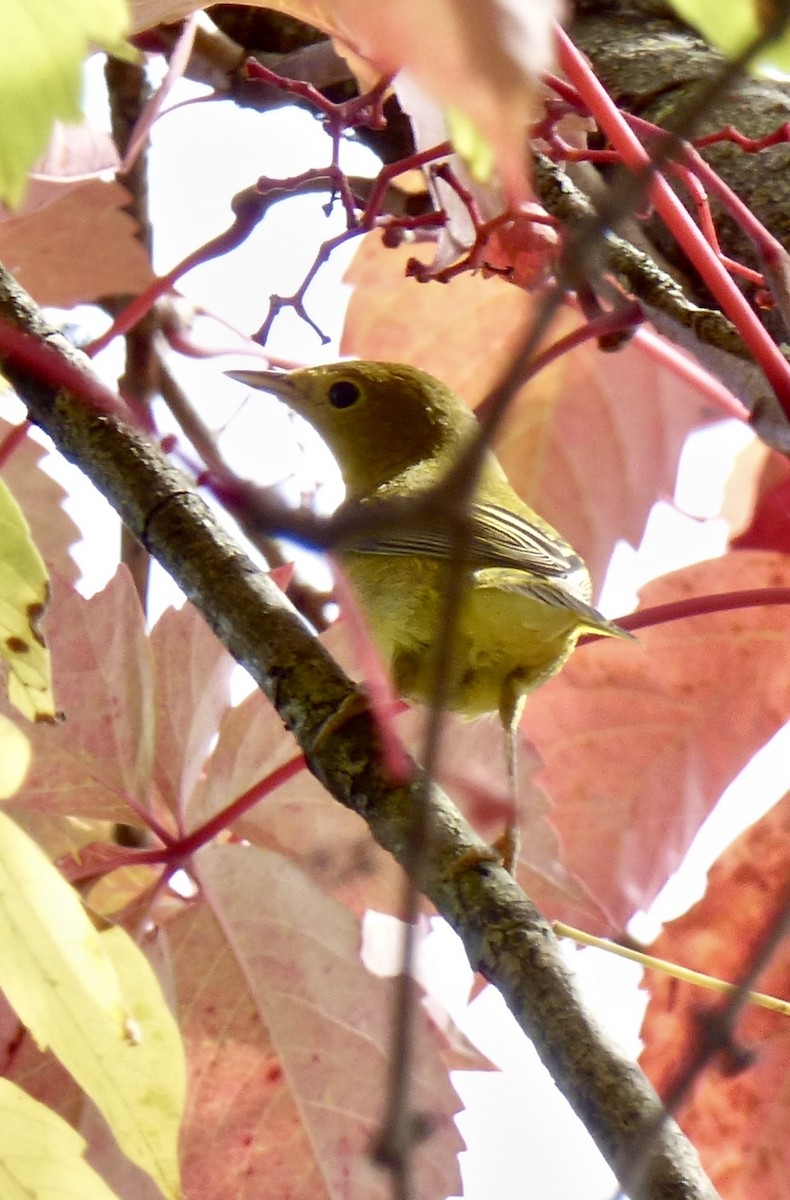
502, 637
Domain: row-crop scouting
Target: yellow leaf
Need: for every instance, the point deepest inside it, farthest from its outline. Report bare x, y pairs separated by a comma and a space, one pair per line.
42, 47
476, 151
41, 1157
53, 966
732, 27
113, 892
94, 1000
24, 589
14, 758
151, 1067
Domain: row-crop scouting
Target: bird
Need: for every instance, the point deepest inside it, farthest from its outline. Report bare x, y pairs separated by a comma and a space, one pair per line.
396, 433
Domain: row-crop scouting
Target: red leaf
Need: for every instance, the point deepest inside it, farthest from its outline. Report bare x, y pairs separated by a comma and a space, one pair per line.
237, 1087
737, 1121
639, 741
101, 757
140, 713
472, 770
78, 248
288, 1038
75, 154
193, 672
331, 844
769, 528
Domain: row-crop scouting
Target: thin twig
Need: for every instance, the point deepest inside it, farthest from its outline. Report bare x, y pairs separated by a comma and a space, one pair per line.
651, 963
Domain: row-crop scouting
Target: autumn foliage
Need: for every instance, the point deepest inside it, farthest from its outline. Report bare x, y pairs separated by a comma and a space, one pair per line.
186, 816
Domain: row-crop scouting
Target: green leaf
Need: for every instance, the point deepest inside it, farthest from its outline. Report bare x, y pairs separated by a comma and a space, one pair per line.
94, 1000
474, 149
41, 1157
14, 758
732, 26
151, 1069
24, 589
53, 966
43, 44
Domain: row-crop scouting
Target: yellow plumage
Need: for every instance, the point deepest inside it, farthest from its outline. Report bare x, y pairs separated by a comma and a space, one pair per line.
396, 431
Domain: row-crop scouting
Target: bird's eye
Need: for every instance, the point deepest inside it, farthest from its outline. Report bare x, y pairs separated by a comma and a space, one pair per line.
343, 394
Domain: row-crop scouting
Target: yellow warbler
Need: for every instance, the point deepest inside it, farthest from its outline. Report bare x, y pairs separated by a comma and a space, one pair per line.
396, 431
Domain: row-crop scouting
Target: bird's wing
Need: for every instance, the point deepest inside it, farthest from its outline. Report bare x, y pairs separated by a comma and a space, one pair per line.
508, 552
555, 595
496, 538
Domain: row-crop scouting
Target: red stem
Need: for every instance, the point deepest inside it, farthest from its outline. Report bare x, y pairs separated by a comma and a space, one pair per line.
768, 248
700, 606
687, 174
388, 173
751, 145
250, 207
54, 369
222, 820
14, 438
669, 207
689, 370
179, 849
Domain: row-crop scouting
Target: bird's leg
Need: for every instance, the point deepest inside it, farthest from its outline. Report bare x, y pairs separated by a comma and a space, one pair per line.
511, 710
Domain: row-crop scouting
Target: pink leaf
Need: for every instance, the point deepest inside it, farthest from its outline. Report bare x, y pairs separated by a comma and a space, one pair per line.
736, 1119
78, 248
639, 741
99, 760
299, 819
193, 672
292, 1038
481, 56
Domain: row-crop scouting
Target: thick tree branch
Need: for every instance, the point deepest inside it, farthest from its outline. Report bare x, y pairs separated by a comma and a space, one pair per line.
651, 64
504, 934
704, 332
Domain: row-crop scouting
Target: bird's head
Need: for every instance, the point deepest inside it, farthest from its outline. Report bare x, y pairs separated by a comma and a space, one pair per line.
377, 418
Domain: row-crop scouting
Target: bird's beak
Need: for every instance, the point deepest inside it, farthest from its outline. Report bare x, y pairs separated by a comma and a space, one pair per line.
279, 383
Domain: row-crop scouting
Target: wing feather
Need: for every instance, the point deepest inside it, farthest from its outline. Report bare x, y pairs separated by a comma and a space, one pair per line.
497, 538
521, 556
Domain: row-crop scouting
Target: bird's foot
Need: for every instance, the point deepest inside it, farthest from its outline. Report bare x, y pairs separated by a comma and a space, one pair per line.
354, 705
508, 847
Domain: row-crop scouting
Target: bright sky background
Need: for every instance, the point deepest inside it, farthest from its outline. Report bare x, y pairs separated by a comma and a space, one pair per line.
523, 1139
